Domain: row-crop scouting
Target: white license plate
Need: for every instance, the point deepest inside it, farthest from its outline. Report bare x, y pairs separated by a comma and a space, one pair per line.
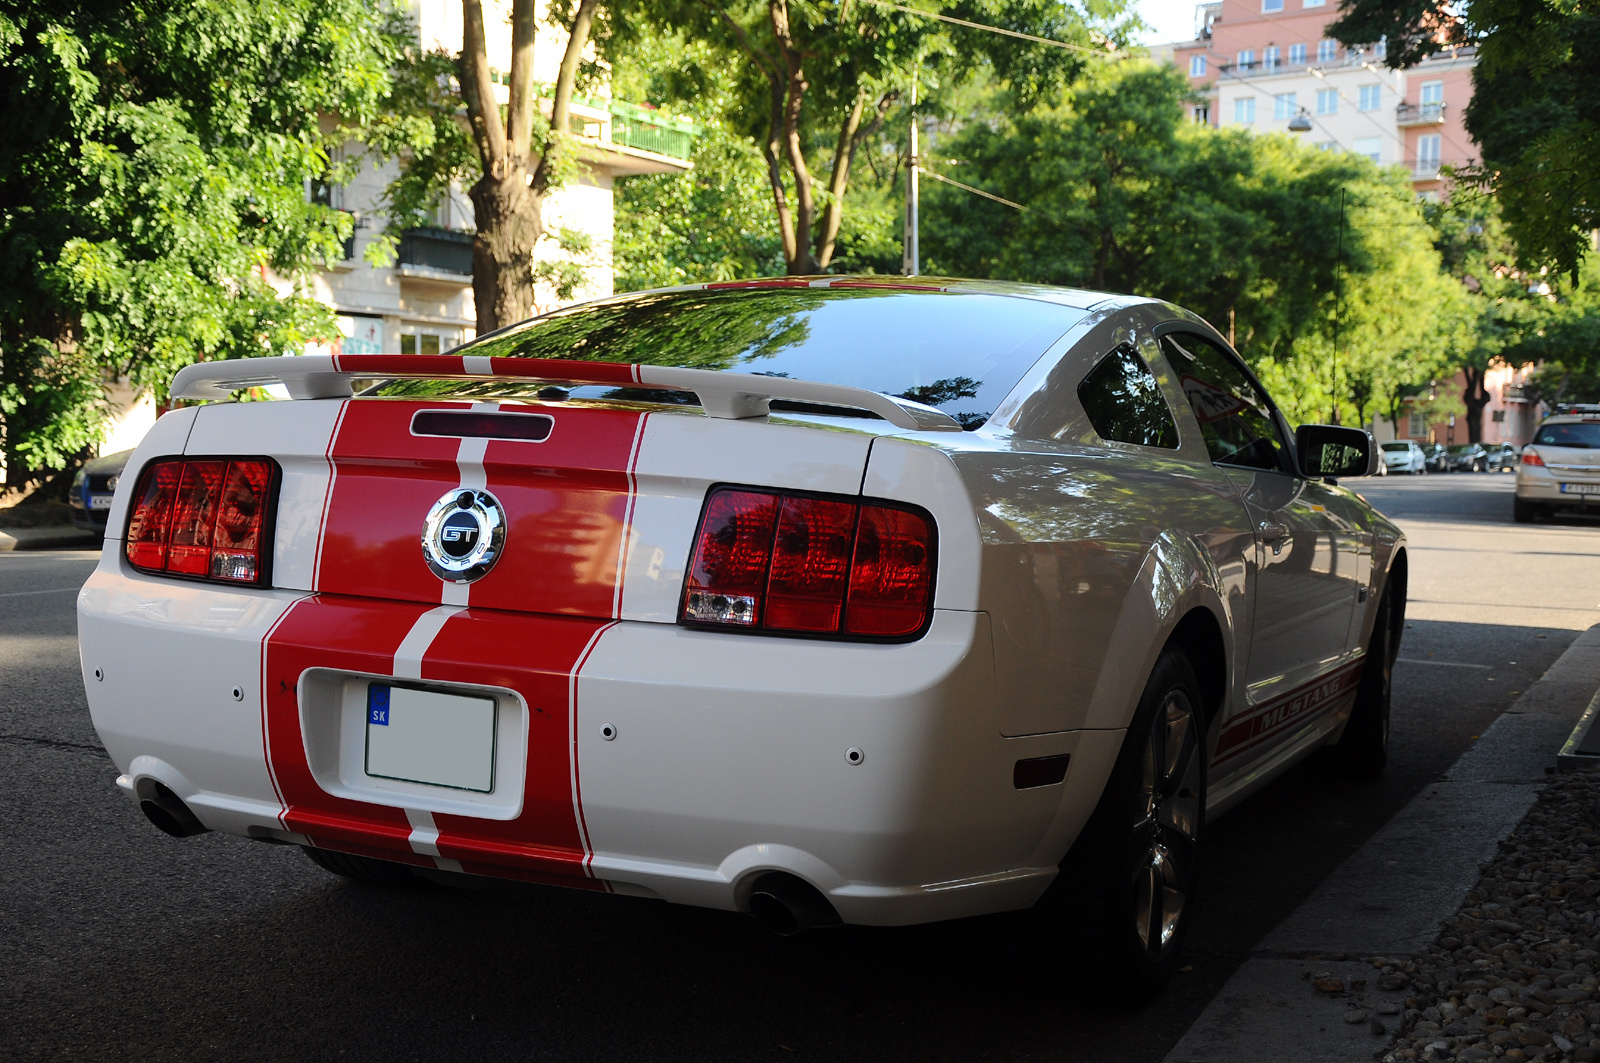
100, 501
1580, 489
427, 737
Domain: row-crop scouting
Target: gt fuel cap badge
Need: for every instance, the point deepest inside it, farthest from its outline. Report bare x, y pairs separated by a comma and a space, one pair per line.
463, 535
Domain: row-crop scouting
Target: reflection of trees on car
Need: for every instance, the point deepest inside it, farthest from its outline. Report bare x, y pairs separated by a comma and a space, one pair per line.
944, 352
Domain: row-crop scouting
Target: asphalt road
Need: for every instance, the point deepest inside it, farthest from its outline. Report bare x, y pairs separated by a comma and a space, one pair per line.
119, 943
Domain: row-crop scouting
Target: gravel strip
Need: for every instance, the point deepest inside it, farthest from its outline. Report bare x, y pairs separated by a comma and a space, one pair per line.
1513, 973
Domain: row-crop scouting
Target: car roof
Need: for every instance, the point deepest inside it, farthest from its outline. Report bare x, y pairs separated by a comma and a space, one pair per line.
1076, 298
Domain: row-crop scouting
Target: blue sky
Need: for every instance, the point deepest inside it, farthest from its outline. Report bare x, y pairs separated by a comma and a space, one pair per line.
1170, 20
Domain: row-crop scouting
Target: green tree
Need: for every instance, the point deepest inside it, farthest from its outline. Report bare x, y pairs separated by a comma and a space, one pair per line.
153, 174
1535, 109
1317, 264
815, 80
713, 222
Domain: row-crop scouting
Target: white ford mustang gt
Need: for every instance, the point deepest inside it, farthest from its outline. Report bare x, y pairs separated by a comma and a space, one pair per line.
825, 600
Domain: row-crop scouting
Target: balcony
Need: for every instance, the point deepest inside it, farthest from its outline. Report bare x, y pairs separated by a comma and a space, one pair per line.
436, 254
1414, 114
638, 127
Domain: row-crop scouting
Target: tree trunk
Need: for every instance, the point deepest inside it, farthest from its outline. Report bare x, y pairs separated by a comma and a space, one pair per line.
1476, 399
838, 182
794, 94
508, 200
510, 221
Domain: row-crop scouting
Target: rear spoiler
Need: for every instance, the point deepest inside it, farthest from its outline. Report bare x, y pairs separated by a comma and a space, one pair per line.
722, 394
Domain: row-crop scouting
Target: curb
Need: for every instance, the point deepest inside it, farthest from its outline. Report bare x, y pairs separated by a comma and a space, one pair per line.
46, 538
1388, 898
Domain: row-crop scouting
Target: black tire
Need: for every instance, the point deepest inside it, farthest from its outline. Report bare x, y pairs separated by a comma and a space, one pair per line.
1523, 512
363, 869
1363, 749
1119, 911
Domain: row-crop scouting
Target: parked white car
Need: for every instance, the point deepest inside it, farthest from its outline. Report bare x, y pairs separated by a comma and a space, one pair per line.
1561, 467
1404, 455
836, 599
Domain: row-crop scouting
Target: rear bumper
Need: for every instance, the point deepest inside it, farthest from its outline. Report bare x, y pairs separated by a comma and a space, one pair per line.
727, 756
1540, 485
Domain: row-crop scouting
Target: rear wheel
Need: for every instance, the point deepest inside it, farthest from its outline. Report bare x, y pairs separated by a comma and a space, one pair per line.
1522, 512
361, 868
1363, 750
1122, 905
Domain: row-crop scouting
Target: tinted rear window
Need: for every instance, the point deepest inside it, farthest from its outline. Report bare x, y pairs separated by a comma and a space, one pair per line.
1395, 446
962, 352
1571, 434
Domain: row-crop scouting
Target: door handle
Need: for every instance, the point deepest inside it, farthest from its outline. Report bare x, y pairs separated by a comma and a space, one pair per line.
1275, 534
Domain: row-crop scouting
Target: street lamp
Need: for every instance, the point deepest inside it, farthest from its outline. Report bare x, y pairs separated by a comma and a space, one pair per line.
1300, 123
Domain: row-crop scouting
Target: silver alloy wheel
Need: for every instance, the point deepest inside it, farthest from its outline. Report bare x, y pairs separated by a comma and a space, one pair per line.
1166, 828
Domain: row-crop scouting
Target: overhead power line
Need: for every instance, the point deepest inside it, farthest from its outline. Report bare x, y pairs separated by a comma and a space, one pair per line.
989, 29
974, 191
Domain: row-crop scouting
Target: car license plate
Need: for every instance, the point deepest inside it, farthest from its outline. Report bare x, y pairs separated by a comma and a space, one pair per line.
100, 501
1580, 489
427, 737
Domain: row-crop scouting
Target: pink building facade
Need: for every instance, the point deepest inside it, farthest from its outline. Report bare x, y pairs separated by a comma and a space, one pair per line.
1263, 64
1508, 418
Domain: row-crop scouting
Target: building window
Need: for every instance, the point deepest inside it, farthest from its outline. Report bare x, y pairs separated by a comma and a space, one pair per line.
1370, 98
1283, 106
1428, 153
1371, 147
1197, 66
1432, 92
1498, 416
1315, 3
1297, 55
1202, 115
1381, 49
1247, 59
1270, 57
1327, 101
1327, 145
1269, 7
1418, 426
1244, 110
424, 343
1327, 51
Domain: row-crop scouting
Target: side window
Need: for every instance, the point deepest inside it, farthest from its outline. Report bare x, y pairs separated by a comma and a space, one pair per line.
1235, 418
1124, 404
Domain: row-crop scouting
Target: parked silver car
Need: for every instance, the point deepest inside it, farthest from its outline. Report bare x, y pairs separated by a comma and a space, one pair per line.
1560, 469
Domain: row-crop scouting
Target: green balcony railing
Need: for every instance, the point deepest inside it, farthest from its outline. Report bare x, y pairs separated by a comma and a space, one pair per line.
639, 127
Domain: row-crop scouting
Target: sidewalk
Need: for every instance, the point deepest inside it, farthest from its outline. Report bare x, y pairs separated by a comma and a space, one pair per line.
49, 537
1389, 897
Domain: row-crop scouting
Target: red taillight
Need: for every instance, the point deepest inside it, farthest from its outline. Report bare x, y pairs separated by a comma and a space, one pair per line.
890, 578
810, 565
200, 518
729, 571
787, 563
148, 527
1531, 457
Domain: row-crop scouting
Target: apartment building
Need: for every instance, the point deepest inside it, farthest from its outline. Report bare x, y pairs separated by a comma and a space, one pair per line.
423, 302
1264, 64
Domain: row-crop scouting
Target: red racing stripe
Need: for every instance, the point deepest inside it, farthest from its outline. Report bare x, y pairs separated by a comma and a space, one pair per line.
349, 635
535, 656
531, 622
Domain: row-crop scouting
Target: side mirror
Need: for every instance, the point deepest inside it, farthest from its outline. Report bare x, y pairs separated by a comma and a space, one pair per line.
1329, 450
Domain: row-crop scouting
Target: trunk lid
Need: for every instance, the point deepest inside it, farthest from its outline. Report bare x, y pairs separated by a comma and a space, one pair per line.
600, 514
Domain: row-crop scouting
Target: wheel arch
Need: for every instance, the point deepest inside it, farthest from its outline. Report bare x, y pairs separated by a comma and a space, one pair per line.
1199, 635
